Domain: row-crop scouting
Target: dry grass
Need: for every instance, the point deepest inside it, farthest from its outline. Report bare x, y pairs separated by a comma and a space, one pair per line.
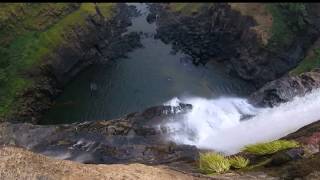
259, 13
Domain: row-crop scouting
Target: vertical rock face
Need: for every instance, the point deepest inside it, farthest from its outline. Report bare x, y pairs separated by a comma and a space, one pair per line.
223, 34
87, 44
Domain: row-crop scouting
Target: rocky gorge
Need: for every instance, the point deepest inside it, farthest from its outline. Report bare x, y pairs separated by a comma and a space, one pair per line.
219, 32
90, 43
139, 137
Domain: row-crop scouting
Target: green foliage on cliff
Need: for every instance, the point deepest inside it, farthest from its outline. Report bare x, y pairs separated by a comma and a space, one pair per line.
288, 21
29, 33
188, 8
308, 63
270, 147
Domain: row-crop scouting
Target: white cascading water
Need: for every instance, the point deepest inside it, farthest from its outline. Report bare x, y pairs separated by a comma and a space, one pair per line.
215, 124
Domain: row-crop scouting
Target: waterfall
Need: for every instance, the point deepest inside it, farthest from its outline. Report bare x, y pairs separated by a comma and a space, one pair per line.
217, 124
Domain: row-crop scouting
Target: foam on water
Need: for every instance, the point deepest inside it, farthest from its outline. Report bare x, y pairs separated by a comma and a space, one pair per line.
216, 123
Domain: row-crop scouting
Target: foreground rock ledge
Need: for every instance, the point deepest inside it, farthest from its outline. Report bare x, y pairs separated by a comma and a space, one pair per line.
17, 163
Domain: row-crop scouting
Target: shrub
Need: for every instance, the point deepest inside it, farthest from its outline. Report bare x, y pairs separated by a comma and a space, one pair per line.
213, 163
288, 20
270, 147
238, 162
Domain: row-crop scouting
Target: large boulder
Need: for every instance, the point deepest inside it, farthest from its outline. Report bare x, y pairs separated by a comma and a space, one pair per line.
285, 89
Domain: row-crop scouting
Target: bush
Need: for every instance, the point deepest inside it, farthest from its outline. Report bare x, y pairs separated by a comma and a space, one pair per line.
288, 22
238, 162
270, 147
213, 163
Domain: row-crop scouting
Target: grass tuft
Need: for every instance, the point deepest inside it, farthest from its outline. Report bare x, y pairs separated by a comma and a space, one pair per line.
210, 163
270, 147
238, 162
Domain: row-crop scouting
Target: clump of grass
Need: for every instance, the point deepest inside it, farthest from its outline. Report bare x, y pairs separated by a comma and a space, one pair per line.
238, 162
213, 163
270, 147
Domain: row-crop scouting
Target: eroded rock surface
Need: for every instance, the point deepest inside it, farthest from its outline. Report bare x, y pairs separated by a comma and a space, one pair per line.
134, 138
285, 89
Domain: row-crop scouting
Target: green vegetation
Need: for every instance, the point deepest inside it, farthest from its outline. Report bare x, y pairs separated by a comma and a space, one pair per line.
188, 8
238, 162
29, 33
308, 63
270, 147
210, 163
261, 163
288, 21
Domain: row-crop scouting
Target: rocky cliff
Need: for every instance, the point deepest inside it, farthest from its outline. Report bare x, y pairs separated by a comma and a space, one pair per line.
257, 42
51, 43
45, 46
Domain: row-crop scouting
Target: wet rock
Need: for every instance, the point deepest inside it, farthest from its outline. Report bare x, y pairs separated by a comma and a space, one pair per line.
133, 138
285, 89
151, 18
309, 137
285, 156
245, 117
299, 169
